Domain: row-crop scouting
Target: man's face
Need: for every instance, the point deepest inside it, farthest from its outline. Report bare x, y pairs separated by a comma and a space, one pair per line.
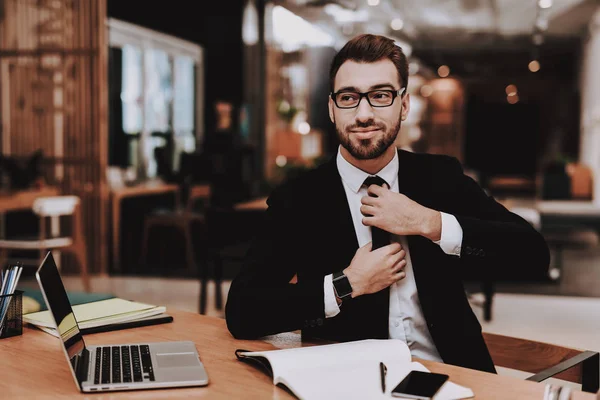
366, 132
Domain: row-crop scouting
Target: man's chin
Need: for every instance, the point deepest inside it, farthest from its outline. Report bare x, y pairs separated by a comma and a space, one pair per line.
365, 150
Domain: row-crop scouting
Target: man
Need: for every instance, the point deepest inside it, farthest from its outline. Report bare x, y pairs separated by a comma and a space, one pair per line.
319, 228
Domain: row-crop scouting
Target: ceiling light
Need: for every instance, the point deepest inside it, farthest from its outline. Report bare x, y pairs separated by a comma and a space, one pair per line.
304, 128
534, 66
281, 161
250, 24
343, 15
443, 71
373, 3
397, 24
511, 89
541, 24
545, 3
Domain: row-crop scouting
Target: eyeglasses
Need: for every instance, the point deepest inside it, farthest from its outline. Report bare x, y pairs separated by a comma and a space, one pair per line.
376, 98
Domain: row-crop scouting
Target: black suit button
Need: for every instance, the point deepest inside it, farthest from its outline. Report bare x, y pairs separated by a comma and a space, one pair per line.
469, 250
312, 323
320, 322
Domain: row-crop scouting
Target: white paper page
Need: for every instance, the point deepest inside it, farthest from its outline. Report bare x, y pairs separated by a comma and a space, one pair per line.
326, 357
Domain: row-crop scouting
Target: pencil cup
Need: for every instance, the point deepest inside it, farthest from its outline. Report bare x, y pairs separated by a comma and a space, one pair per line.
12, 304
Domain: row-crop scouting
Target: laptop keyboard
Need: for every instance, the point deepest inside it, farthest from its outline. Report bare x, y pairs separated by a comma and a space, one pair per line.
122, 364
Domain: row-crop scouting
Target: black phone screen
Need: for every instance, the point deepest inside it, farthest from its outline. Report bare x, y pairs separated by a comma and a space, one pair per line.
420, 385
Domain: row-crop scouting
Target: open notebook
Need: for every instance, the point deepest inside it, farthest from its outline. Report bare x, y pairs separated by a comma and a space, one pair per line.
344, 370
98, 314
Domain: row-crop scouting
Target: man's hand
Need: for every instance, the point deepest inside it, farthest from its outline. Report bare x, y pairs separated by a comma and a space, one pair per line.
396, 213
372, 271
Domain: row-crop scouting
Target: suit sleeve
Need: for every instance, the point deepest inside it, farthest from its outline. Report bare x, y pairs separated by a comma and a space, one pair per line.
493, 237
261, 301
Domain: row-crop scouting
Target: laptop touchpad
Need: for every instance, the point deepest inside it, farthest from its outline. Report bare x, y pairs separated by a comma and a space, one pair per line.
177, 360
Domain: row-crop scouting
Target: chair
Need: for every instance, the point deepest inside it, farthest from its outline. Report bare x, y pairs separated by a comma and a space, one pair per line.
569, 237
180, 218
230, 233
545, 360
581, 181
53, 207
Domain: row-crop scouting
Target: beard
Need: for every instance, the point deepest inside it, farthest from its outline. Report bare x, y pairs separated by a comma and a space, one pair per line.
367, 149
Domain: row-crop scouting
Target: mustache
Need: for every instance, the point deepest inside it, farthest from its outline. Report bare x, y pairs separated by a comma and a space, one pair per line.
365, 125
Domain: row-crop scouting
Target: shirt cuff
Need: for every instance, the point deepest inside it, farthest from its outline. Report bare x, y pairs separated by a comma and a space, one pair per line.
331, 306
452, 235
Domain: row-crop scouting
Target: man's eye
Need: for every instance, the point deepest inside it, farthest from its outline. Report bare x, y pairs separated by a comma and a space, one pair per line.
381, 95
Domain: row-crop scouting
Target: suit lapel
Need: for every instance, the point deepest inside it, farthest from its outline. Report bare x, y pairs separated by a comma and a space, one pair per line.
337, 212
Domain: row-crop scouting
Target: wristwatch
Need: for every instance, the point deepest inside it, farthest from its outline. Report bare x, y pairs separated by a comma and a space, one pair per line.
341, 285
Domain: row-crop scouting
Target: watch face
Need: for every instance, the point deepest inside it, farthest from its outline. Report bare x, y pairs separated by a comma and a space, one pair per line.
342, 285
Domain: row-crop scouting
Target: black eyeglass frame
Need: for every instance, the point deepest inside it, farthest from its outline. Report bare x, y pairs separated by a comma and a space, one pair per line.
395, 93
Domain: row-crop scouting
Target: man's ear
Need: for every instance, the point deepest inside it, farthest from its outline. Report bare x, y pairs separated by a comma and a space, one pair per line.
405, 106
331, 105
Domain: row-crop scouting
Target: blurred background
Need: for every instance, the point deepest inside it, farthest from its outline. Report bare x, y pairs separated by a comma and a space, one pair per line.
170, 122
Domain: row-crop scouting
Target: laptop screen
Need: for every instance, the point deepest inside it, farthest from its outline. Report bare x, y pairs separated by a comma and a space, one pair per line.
60, 308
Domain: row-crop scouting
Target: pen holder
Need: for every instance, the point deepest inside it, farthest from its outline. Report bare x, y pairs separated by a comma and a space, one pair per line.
11, 309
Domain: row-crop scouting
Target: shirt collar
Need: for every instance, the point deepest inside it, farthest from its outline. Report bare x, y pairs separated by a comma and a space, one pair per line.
355, 177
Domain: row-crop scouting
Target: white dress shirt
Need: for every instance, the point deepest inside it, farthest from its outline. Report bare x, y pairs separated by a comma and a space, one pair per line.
406, 320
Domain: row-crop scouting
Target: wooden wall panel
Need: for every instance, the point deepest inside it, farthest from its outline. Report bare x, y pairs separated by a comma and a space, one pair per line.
53, 85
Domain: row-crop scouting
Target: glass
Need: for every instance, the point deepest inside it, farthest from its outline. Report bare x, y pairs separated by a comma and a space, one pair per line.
159, 91
131, 92
376, 98
184, 96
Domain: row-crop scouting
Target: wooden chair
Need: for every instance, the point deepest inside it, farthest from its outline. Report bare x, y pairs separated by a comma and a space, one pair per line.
546, 360
46, 208
180, 218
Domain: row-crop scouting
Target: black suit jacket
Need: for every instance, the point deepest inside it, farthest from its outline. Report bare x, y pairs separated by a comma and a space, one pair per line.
308, 231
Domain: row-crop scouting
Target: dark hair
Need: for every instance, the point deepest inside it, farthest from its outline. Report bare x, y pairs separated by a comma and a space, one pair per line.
369, 48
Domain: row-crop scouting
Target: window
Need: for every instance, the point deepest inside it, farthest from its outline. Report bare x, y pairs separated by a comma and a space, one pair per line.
159, 93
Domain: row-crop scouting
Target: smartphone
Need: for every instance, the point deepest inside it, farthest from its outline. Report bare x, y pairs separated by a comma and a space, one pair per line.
419, 385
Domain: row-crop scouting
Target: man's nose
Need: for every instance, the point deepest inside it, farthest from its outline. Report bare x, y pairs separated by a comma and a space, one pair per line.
364, 111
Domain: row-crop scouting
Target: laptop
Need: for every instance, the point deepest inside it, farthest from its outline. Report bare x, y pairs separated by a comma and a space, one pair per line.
129, 366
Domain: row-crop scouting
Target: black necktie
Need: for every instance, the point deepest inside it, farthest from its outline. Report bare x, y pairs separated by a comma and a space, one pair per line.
380, 237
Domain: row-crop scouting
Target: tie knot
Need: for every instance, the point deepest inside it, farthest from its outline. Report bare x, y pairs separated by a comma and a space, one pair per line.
374, 180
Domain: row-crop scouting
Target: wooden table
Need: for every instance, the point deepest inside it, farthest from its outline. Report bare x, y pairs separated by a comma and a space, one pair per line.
566, 208
117, 195
23, 199
252, 205
33, 365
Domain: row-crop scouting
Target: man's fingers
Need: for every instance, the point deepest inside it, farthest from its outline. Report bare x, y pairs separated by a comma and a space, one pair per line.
397, 257
376, 190
398, 276
399, 266
367, 210
369, 201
